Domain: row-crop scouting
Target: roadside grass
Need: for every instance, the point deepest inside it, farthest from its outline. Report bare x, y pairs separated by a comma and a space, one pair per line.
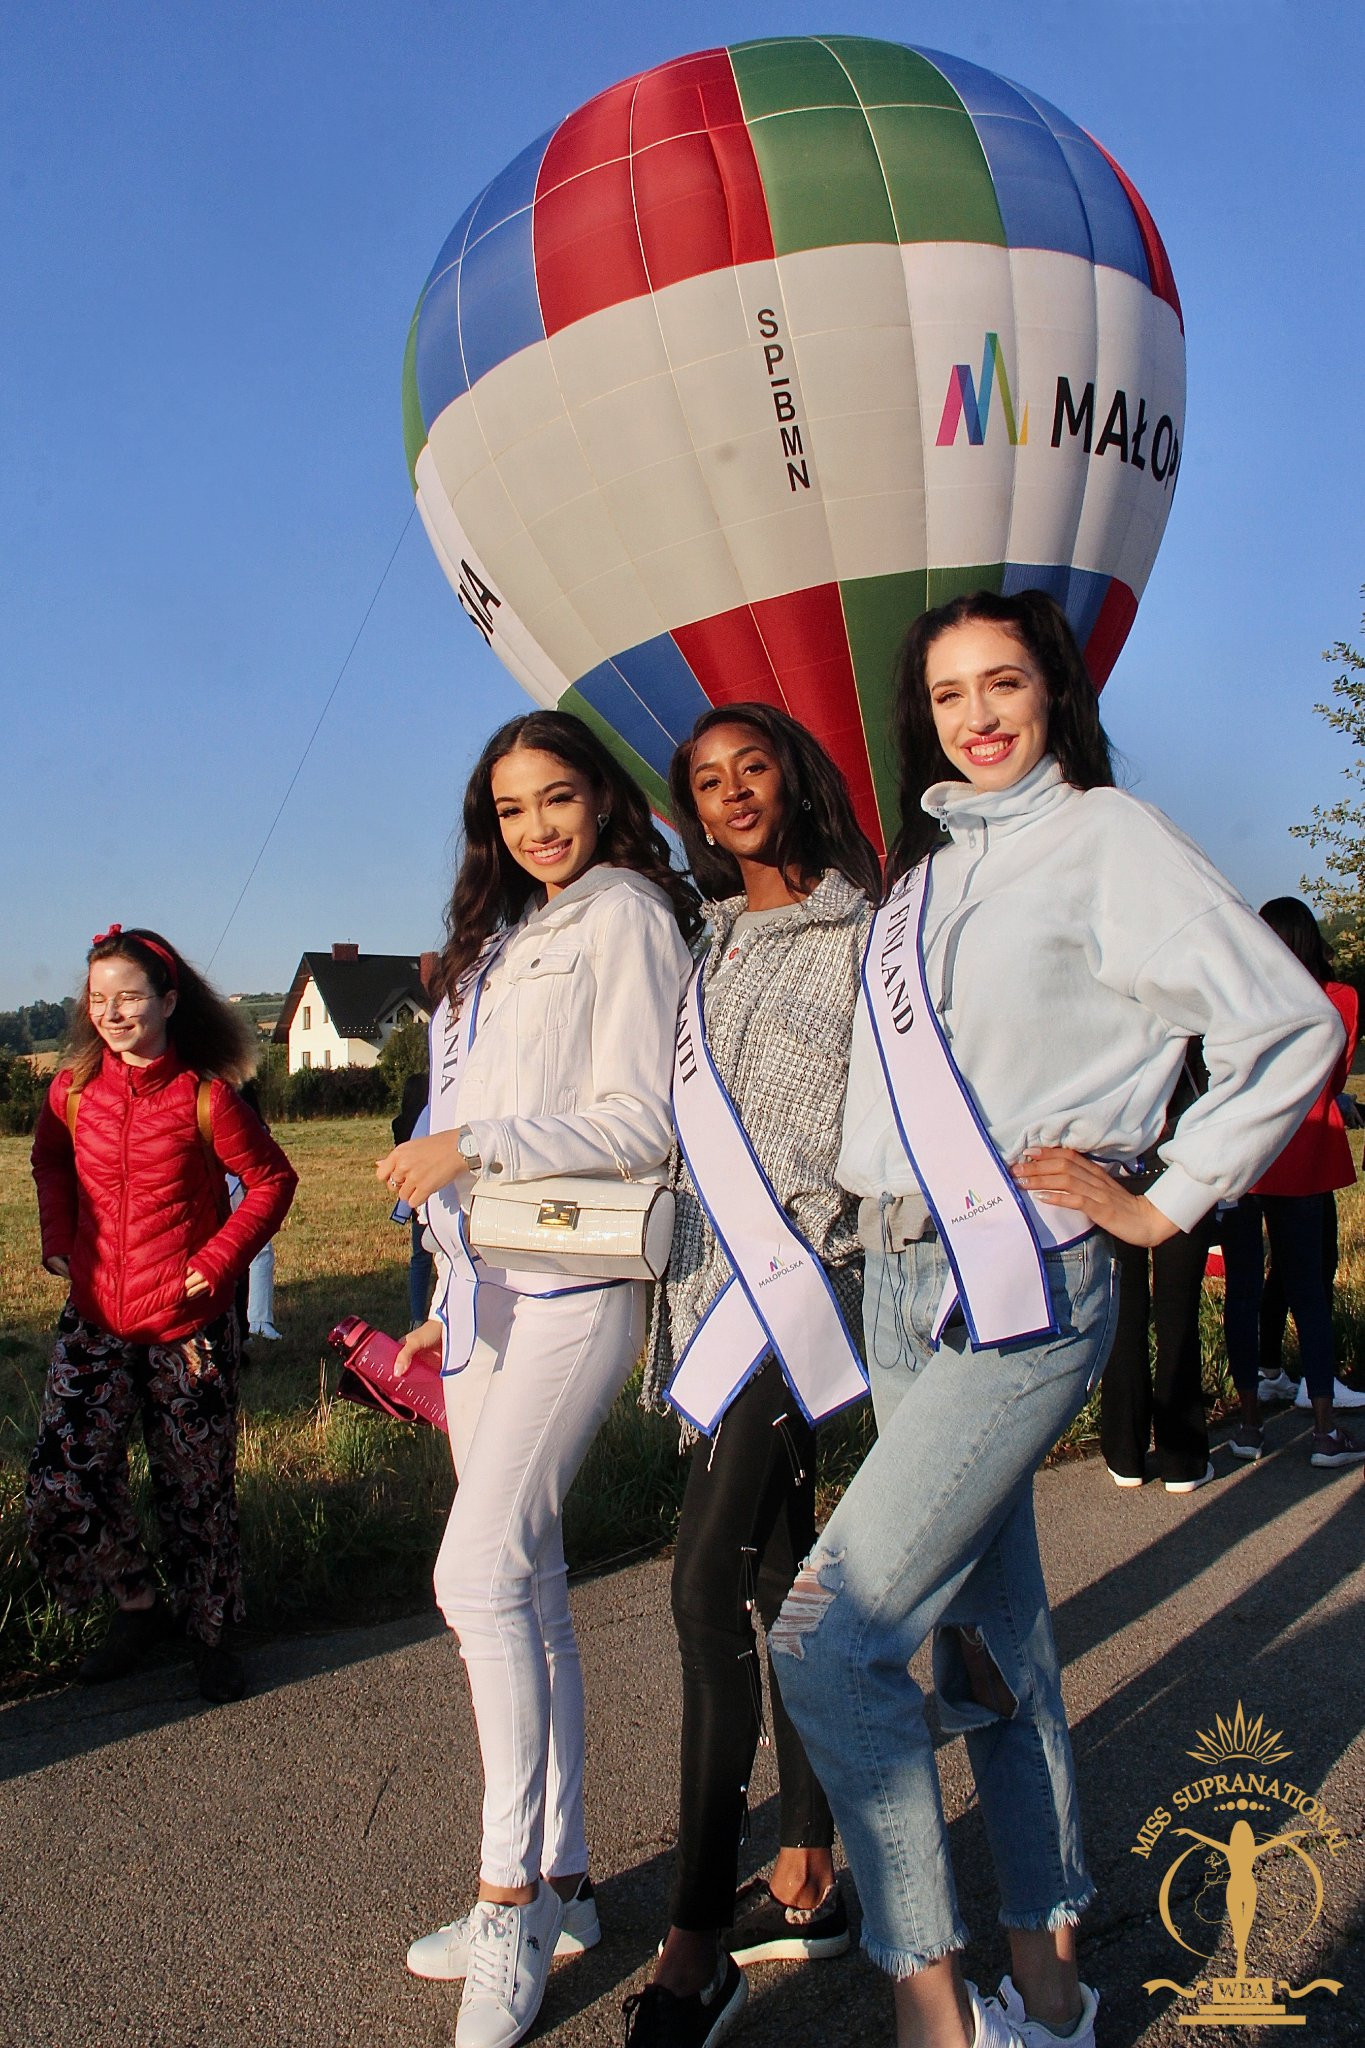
342, 1509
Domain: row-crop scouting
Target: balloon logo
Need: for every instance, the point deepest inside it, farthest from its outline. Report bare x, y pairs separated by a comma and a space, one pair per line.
764, 351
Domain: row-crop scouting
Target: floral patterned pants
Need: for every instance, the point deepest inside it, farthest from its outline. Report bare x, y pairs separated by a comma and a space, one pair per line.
83, 1530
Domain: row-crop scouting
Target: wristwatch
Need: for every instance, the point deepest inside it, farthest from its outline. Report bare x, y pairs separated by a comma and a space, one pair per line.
464, 1138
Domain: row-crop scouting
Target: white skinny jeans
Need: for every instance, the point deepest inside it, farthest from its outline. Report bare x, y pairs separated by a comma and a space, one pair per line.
544, 1372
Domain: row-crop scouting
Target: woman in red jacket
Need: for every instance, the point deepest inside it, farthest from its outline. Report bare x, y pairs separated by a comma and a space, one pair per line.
1291, 1198
129, 1157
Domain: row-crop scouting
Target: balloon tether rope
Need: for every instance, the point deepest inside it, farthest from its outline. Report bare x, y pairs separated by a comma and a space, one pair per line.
308, 747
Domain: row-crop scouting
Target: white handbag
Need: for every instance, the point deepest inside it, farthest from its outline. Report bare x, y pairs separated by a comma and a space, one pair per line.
588, 1228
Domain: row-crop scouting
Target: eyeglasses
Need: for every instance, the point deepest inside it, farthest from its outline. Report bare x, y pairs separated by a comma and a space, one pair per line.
127, 999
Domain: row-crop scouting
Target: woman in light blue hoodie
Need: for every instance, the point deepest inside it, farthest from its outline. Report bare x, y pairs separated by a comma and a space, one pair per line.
1048, 947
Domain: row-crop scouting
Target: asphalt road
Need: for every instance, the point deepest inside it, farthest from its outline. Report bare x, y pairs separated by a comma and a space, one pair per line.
177, 1876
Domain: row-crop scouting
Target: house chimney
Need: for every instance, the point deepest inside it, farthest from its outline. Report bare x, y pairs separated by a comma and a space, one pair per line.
342, 951
427, 967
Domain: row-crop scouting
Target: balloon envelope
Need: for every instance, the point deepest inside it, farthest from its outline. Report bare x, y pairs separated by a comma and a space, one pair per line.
761, 353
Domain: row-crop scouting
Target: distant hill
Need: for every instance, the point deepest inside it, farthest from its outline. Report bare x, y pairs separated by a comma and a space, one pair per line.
264, 1009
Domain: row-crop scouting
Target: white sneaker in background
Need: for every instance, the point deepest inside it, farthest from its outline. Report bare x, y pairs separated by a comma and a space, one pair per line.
1034, 2034
441, 1957
1342, 1396
1276, 1386
268, 1331
507, 1965
1190, 1485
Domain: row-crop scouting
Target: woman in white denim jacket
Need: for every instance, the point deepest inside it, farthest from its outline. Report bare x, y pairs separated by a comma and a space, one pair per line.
567, 930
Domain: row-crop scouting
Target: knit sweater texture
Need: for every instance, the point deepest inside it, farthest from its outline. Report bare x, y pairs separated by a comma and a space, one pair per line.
779, 1012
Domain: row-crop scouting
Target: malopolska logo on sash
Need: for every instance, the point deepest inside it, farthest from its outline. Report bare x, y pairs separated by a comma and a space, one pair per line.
974, 1206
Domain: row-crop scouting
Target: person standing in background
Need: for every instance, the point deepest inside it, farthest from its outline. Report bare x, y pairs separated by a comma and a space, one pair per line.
1289, 1204
132, 1145
1160, 1401
412, 1114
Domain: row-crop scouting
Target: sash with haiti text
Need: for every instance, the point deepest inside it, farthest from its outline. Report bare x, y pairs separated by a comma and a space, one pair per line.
993, 1232
778, 1298
454, 1306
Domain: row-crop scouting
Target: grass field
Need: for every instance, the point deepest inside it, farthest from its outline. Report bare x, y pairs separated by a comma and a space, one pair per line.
342, 1509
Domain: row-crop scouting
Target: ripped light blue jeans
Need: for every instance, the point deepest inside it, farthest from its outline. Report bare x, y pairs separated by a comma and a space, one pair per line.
936, 1533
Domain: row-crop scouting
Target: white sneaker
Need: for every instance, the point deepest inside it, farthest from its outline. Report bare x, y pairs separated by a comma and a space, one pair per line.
441, 1956
1190, 1485
268, 1331
994, 2028
1122, 1478
1276, 1386
507, 1966
1035, 2035
1342, 1396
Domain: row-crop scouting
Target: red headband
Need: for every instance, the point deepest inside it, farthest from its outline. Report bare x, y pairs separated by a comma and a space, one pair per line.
153, 946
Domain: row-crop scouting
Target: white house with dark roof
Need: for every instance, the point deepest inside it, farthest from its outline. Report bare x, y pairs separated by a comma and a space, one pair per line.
343, 1006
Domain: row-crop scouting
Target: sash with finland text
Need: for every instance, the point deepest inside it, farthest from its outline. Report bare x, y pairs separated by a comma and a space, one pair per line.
993, 1232
454, 1306
778, 1297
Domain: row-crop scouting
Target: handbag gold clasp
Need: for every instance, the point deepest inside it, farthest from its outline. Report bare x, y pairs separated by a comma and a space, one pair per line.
559, 1215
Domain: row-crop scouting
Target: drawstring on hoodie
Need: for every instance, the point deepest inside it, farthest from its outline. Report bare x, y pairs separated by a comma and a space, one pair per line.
781, 1426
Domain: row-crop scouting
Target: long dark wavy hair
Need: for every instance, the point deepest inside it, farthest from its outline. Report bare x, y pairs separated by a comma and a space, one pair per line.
492, 890
1074, 733
212, 1036
1291, 920
818, 829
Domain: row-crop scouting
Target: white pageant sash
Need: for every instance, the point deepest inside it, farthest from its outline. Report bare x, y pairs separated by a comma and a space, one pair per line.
993, 1232
454, 1306
779, 1298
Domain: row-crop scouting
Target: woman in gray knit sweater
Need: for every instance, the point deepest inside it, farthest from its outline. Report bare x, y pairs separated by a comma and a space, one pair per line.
771, 837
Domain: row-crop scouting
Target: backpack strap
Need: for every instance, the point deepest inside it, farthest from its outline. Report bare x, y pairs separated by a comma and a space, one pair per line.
203, 1117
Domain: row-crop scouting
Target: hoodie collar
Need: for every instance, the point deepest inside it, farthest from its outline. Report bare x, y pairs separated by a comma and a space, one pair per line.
961, 809
833, 900
569, 903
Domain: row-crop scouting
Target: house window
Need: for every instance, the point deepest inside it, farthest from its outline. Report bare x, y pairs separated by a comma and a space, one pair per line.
327, 1059
308, 1016
307, 1058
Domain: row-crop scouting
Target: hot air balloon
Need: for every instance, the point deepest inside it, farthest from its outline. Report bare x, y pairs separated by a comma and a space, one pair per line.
764, 351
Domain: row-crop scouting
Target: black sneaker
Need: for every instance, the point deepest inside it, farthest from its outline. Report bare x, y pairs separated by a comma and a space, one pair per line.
766, 1931
656, 2018
220, 1671
133, 1634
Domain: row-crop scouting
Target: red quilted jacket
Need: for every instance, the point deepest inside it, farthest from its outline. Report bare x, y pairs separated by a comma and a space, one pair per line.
1317, 1158
137, 1199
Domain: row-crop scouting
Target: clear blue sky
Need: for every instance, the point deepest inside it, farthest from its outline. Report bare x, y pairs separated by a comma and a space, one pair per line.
216, 220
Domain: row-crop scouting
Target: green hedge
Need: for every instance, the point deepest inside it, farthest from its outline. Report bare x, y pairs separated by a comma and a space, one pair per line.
21, 1094
285, 1097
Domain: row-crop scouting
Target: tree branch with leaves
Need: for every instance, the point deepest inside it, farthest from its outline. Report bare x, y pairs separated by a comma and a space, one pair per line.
1340, 829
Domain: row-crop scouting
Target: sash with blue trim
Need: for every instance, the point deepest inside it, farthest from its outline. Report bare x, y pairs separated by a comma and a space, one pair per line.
992, 1230
455, 1304
778, 1298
